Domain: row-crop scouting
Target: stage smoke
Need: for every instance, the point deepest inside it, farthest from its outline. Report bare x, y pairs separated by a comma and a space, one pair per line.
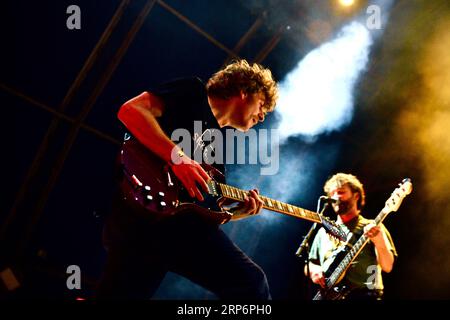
316, 96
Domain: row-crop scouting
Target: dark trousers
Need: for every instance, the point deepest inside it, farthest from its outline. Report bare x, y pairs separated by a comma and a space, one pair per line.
365, 294
141, 252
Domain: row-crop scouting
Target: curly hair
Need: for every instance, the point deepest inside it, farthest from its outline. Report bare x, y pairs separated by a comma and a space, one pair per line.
341, 179
248, 78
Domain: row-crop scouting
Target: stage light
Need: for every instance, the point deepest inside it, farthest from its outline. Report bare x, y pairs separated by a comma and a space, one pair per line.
347, 3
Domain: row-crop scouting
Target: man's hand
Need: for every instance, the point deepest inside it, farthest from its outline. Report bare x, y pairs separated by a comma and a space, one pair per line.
316, 275
252, 204
191, 175
373, 232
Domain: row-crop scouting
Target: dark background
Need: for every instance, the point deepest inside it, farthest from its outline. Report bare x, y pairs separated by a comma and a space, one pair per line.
60, 90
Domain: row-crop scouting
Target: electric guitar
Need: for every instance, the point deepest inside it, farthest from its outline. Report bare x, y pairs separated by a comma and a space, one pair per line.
151, 188
345, 256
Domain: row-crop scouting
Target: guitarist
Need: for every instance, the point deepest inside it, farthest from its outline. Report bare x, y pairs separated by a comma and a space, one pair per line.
362, 279
140, 250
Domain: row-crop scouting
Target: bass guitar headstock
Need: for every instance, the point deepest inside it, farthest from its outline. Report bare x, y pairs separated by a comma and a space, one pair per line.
397, 196
332, 228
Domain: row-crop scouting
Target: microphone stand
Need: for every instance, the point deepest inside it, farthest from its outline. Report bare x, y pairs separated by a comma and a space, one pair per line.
305, 243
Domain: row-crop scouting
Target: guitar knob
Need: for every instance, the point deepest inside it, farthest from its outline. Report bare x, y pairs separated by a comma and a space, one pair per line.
146, 194
145, 190
161, 203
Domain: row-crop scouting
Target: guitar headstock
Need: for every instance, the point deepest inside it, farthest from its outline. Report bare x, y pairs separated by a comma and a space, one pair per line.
397, 196
332, 228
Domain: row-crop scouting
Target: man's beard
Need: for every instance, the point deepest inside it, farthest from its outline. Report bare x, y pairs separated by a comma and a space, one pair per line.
343, 207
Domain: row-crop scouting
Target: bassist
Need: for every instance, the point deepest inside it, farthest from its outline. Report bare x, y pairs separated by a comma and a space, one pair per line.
363, 279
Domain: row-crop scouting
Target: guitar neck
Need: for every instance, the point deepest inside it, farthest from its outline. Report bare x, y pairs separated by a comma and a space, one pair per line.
352, 254
270, 204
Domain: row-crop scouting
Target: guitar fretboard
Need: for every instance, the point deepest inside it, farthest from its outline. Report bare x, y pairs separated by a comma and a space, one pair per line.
270, 204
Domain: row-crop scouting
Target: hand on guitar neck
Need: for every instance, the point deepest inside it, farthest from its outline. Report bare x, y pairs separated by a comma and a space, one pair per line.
252, 205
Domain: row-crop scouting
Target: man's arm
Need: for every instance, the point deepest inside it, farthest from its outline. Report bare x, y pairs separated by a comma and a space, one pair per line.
139, 116
385, 257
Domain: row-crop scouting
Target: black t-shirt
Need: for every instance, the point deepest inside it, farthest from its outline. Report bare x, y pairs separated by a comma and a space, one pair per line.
185, 101
186, 107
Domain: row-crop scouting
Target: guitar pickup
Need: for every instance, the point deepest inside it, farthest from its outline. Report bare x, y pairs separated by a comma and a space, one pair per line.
161, 203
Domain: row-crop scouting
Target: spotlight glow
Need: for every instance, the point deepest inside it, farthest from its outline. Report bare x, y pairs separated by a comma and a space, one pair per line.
347, 3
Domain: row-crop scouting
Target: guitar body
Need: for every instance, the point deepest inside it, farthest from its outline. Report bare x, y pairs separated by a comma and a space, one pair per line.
337, 291
334, 293
152, 190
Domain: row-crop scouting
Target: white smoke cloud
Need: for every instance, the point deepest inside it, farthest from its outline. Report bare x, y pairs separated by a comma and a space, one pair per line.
316, 96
